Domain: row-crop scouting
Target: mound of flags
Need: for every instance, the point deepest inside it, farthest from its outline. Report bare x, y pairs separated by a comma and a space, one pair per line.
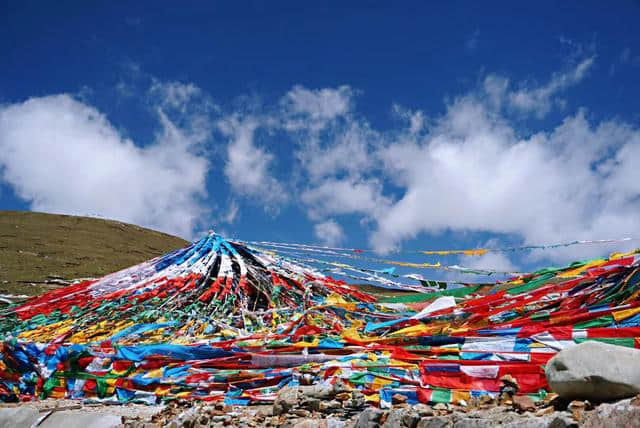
222, 320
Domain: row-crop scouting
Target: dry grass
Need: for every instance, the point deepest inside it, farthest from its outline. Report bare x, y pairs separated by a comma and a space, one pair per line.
35, 247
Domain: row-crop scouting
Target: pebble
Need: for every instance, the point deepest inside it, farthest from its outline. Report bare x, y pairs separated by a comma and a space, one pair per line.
398, 399
522, 403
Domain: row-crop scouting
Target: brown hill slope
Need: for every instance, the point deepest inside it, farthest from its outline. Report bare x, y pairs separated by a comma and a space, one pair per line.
36, 248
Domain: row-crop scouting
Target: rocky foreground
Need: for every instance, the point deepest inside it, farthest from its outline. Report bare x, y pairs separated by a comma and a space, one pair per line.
337, 412
300, 410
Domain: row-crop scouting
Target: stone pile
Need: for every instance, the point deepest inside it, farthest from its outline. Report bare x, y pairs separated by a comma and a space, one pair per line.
313, 407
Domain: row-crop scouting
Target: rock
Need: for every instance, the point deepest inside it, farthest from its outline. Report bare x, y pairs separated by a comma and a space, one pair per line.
335, 423
356, 403
486, 399
522, 403
562, 421
311, 423
473, 423
221, 418
509, 380
327, 405
434, 422
398, 399
423, 410
529, 423
264, 412
286, 399
303, 413
78, 418
440, 406
577, 409
608, 415
306, 379
312, 404
394, 419
323, 392
596, 371
339, 386
203, 420
545, 411
369, 418
343, 396
577, 404
18, 416
410, 419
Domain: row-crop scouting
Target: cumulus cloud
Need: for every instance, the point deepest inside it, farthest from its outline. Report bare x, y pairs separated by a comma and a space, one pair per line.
329, 232
62, 155
473, 168
345, 196
248, 166
473, 172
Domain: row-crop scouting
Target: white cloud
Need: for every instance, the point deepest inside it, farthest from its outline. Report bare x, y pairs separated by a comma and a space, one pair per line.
174, 94
474, 169
346, 150
538, 100
336, 196
314, 108
329, 233
473, 173
62, 155
489, 261
248, 166
232, 214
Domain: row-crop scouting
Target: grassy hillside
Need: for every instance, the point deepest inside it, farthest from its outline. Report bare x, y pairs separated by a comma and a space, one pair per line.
37, 248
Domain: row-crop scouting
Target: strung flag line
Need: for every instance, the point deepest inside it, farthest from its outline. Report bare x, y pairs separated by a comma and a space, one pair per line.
289, 252
465, 252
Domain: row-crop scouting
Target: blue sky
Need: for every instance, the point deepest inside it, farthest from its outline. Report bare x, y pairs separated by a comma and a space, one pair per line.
367, 125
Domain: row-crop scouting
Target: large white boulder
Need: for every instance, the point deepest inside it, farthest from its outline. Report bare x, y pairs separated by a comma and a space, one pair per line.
595, 371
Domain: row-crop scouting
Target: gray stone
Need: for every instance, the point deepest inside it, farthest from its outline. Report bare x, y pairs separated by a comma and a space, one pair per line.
441, 406
562, 421
529, 423
423, 410
394, 419
221, 418
11, 417
312, 404
434, 422
81, 419
311, 423
335, 423
556, 420
473, 423
286, 399
608, 415
327, 405
339, 386
410, 419
369, 418
595, 371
